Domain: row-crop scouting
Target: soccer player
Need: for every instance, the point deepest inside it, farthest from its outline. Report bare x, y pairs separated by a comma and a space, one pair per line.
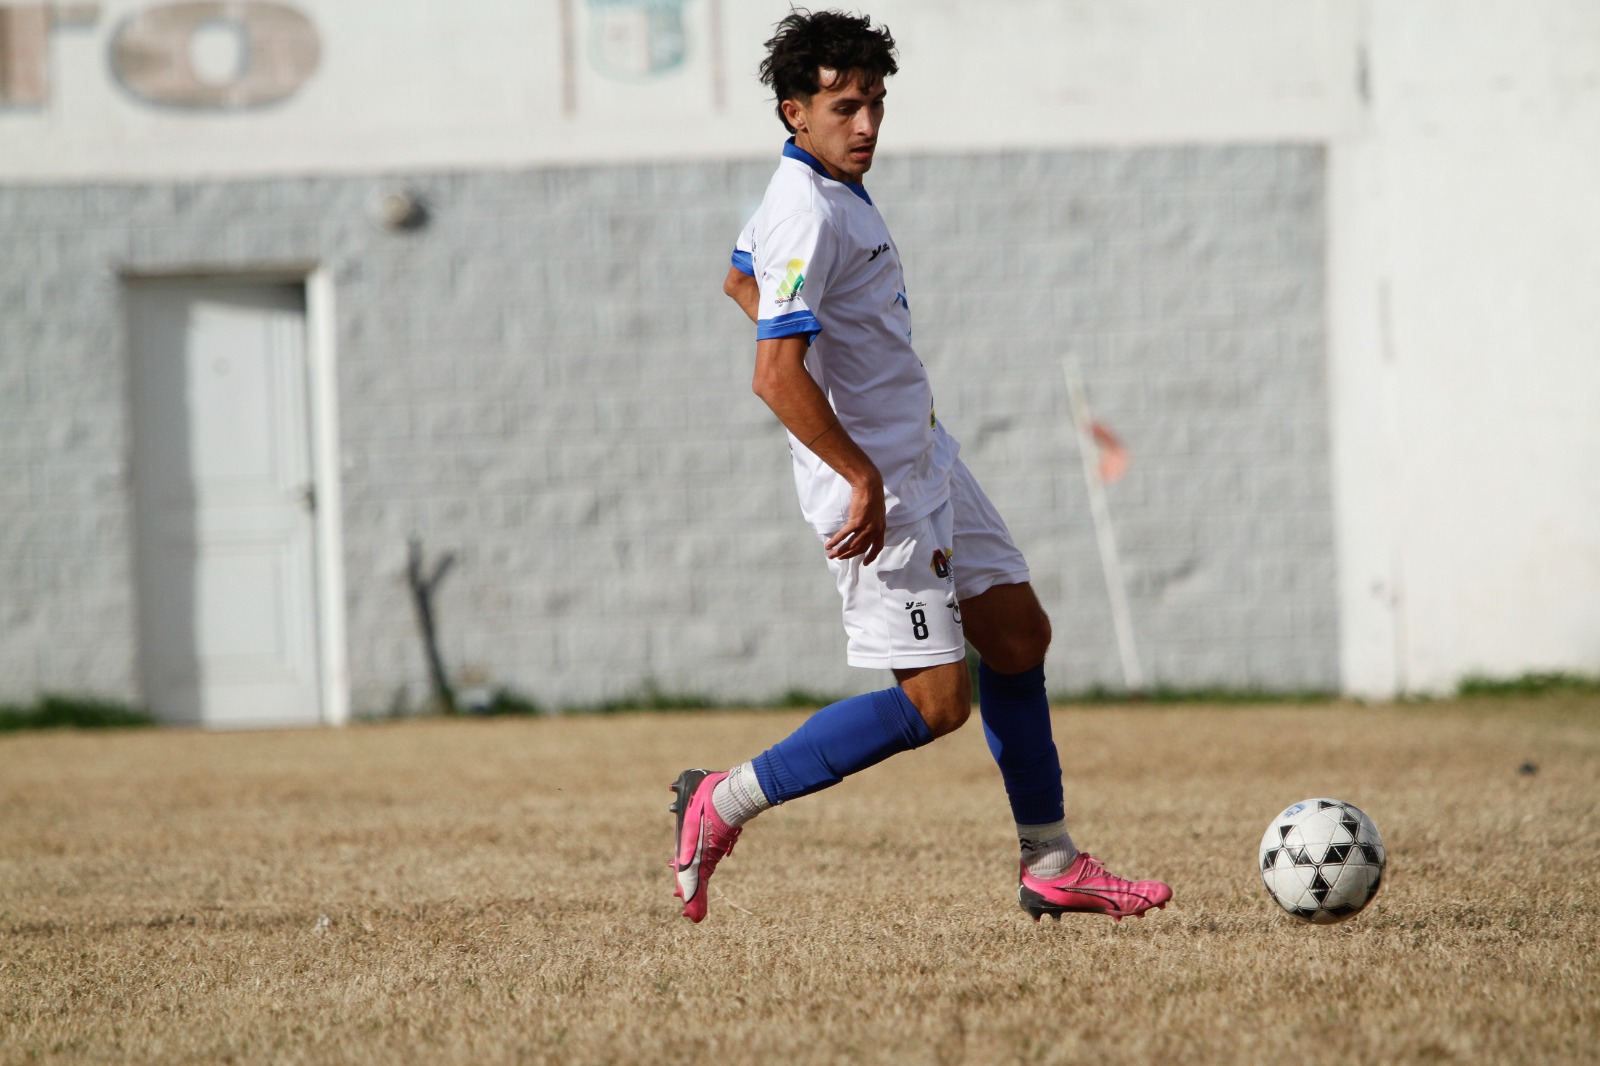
921, 558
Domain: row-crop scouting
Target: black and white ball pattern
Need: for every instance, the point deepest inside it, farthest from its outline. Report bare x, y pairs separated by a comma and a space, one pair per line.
1322, 860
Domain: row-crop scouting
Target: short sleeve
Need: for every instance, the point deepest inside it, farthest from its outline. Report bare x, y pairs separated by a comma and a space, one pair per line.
744, 250
796, 260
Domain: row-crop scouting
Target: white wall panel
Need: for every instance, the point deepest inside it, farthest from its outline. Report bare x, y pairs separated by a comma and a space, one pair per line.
1465, 341
408, 84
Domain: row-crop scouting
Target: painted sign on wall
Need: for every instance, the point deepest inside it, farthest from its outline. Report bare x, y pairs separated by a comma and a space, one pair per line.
249, 53
189, 53
637, 38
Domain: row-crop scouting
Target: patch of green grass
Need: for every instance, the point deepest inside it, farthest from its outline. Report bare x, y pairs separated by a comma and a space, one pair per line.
650, 697
1531, 684
797, 698
506, 702
1212, 694
53, 711
509, 701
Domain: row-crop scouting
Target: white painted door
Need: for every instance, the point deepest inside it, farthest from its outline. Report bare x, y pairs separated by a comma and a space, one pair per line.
224, 502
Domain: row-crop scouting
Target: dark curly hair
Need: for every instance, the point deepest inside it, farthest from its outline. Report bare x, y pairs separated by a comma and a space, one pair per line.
806, 42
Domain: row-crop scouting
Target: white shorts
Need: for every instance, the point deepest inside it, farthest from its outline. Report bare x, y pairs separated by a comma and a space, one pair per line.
985, 554
904, 611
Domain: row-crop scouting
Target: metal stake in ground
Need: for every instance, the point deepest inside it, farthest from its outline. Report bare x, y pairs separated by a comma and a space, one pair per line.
422, 595
1100, 510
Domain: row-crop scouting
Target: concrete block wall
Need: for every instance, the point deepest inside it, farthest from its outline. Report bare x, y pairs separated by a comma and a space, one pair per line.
547, 381
1189, 283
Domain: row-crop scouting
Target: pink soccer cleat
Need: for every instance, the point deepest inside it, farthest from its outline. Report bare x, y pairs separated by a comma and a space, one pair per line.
703, 839
1088, 888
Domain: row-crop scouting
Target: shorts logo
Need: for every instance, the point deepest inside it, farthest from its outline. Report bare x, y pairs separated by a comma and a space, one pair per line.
793, 281
919, 619
941, 563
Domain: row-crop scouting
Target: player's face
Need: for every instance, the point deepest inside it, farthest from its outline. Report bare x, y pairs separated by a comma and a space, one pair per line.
839, 124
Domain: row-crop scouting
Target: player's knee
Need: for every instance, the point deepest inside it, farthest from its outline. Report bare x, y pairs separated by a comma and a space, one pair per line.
1023, 646
1039, 639
946, 719
946, 709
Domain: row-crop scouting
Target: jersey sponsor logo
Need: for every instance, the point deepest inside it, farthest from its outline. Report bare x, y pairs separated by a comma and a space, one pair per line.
793, 281
879, 250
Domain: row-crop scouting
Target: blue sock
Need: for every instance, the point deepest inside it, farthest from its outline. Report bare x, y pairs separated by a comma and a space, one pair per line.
837, 741
1016, 722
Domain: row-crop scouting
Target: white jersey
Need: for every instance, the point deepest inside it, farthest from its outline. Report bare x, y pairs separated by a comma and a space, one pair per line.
828, 269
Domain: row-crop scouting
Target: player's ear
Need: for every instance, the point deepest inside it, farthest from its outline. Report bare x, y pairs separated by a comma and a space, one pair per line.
796, 114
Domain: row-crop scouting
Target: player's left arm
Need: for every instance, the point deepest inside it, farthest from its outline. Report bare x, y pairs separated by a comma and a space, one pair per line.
745, 291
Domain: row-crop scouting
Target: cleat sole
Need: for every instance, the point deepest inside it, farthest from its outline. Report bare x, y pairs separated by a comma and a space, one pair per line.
681, 790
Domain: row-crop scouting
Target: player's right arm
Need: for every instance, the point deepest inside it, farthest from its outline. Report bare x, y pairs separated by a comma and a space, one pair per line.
741, 284
791, 283
744, 291
784, 384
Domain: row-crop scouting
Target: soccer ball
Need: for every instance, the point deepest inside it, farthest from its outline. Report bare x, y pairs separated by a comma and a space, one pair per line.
1322, 860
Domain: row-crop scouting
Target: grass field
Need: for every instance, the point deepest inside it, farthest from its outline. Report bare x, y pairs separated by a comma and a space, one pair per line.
497, 891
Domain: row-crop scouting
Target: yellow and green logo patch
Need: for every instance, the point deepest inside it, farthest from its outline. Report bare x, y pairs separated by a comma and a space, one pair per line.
793, 281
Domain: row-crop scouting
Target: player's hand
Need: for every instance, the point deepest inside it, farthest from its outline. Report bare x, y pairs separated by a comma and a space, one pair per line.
864, 527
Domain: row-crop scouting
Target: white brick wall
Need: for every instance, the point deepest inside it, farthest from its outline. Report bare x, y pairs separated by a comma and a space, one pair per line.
547, 381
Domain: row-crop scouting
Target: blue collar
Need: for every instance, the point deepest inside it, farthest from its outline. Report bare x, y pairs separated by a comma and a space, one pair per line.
794, 151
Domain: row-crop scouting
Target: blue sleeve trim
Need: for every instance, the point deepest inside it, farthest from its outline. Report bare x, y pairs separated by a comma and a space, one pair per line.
744, 263
792, 324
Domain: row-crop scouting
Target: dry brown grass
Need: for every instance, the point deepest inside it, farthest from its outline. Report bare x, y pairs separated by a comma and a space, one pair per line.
497, 892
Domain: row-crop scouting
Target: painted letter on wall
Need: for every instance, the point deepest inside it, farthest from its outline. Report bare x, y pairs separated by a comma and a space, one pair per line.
154, 56
23, 78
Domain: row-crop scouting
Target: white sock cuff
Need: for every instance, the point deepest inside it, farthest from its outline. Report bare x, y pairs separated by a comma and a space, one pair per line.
1047, 850
738, 797
1041, 834
745, 780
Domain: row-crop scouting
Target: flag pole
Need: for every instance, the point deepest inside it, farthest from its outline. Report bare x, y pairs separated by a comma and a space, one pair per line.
1105, 535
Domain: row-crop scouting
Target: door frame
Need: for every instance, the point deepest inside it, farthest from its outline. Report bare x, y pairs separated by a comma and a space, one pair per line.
333, 664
